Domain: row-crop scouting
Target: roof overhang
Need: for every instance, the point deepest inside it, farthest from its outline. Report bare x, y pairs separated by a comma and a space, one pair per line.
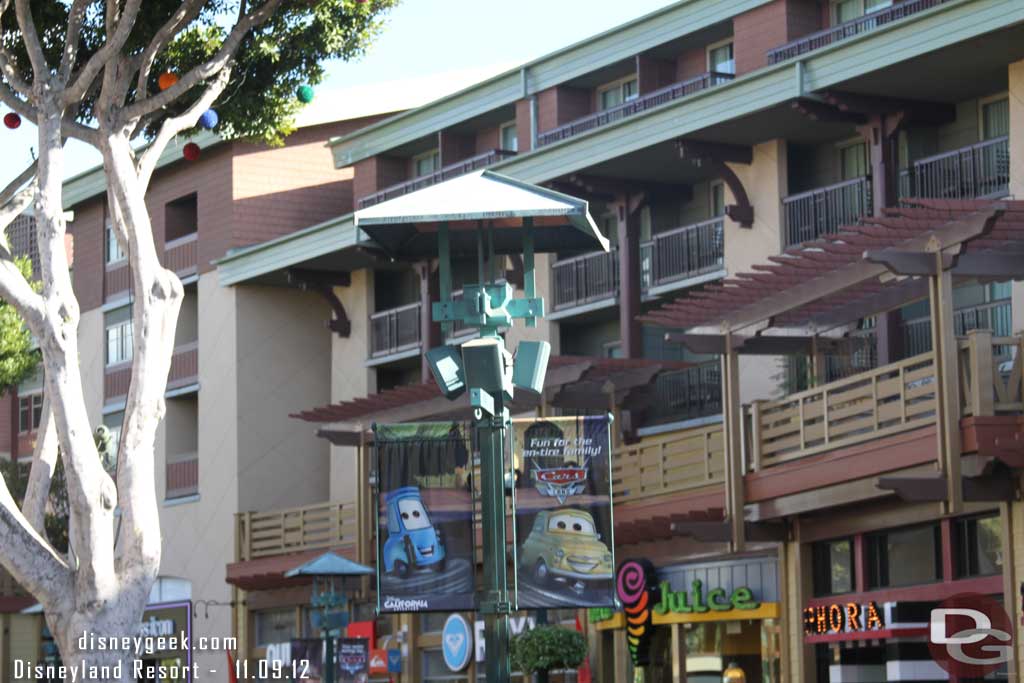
407, 227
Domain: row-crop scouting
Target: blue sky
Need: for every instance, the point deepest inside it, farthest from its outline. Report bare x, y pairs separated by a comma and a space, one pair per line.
428, 40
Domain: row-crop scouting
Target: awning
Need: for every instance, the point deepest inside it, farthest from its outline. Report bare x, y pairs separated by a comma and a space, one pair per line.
878, 265
406, 227
270, 572
572, 382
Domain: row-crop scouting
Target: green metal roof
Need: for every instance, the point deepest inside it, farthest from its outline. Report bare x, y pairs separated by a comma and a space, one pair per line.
944, 25
618, 43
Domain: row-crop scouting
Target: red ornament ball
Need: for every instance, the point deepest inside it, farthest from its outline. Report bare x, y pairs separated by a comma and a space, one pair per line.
12, 120
191, 151
166, 80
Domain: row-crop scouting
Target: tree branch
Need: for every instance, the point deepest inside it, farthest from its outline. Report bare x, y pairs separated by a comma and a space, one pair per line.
29, 36
111, 48
44, 461
172, 126
8, 193
13, 208
206, 70
183, 16
74, 33
29, 558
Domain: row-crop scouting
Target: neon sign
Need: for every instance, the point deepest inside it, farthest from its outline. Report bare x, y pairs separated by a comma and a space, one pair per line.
848, 617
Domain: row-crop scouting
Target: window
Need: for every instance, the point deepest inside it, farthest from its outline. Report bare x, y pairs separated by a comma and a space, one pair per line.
114, 253
275, 626
904, 557
433, 669
613, 94
848, 10
431, 622
833, 567
717, 199
30, 413
979, 546
853, 161
509, 136
181, 218
995, 118
720, 58
426, 163
119, 342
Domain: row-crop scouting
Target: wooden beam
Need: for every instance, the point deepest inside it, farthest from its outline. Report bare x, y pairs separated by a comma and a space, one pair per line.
323, 283
934, 489
947, 371
699, 150
732, 417
822, 112
915, 112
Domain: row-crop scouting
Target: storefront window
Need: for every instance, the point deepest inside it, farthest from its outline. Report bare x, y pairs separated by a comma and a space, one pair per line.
432, 622
979, 546
904, 557
275, 626
833, 567
433, 668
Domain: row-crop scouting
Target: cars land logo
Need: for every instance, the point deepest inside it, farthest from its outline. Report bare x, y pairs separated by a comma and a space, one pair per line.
969, 636
560, 482
353, 663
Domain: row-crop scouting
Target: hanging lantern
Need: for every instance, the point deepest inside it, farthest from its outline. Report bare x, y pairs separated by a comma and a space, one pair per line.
734, 674
305, 94
191, 151
12, 120
209, 119
166, 80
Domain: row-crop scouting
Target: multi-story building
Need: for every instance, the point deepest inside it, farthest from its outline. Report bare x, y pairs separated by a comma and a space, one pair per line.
715, 141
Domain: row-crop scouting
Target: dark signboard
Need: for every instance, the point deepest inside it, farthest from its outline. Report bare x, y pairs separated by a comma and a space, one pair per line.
565, 553
354, 660
425, 518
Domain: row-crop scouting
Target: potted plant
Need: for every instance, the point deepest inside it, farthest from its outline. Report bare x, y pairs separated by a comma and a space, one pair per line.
548, 648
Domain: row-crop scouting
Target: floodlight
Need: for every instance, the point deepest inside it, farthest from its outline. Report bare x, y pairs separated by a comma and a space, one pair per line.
485, 361
446, 366
531, 365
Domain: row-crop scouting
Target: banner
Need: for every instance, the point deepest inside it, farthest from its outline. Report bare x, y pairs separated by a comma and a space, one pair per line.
425, 518
310, 653
354, 660
563, 512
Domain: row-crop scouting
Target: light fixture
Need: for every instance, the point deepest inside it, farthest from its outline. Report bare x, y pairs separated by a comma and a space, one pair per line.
734, 674
531, 365
446, 366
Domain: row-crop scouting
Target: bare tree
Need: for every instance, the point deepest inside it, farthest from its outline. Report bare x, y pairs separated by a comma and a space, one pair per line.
85, 69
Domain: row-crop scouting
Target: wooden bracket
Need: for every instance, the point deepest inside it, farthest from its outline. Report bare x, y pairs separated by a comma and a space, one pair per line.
323, 283
716, 157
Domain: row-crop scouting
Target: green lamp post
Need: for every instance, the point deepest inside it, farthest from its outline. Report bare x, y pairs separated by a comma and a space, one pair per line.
484, 215
329, 602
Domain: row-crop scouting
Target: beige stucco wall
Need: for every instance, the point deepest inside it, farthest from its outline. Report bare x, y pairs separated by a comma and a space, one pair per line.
350, 378
545, 330
283, 367
765, 181
1016, 88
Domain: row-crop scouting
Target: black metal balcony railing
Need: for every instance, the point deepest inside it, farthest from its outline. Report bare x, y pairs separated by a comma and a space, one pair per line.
689, 393
995, 315
855, 27
444, 173
822, 211
980, 171
640, 104
585, 279
395, 330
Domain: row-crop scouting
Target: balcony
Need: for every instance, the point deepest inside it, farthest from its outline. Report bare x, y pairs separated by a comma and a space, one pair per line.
444, 173
184, 372
181, 255
888, 400
395, 331
996, 316
980, 171
688, 394
314, 527
117, 277
182, 477
821, 211
667, 261
635, 106
849, 29
678, 461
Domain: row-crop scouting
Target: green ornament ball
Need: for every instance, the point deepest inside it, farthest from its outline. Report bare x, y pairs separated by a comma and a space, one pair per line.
305, 94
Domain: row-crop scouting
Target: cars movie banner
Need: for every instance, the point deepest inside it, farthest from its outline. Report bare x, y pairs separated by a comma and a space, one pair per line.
354, 660
565, 553
424, 518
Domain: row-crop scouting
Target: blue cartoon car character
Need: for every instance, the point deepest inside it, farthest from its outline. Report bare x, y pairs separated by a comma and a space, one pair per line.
413, 542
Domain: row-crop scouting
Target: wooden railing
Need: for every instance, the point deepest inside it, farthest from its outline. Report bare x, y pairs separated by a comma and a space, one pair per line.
633, 107
395, 330
315, 527
848, 29
686, 252
444, 173
977, 171
584, 279
182, 477
181, 255
821, 211
886, 400
991, 381
669, 463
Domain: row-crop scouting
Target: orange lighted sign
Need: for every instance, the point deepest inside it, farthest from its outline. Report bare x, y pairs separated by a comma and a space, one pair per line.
842, 617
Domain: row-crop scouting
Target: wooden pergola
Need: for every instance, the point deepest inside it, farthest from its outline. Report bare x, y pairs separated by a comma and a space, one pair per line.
819, 288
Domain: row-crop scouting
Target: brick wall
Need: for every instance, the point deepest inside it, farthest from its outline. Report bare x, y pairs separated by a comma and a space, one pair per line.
691, 63
87, 275
489, 138
769, 26
523, 125
455, 147
8, 404
653, 74
561, 104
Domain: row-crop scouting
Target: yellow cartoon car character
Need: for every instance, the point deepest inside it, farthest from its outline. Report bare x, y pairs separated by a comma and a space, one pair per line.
564, 546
